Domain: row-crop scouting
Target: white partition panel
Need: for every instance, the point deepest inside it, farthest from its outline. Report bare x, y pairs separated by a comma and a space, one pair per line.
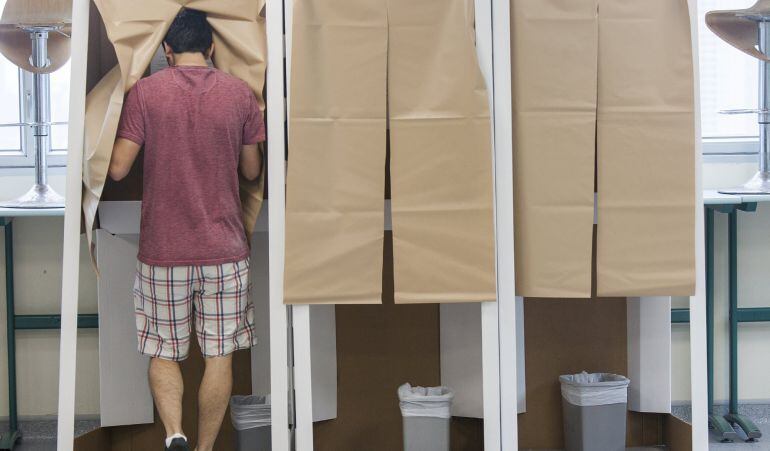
71, 247
698, 370
461, 362
124, 391
260, 296
648, 322
323, 361
279, 356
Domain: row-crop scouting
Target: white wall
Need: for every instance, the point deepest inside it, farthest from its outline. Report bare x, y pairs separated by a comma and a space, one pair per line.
753, 291
37, 252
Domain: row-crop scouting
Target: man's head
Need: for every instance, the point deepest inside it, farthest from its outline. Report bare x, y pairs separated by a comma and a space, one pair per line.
189, 33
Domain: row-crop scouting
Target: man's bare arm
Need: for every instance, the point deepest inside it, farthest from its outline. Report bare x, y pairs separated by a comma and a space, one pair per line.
124, 153
251, 161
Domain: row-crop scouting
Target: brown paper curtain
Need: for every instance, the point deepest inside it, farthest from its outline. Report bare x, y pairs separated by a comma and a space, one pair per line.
359, 69
136, 28
603, 95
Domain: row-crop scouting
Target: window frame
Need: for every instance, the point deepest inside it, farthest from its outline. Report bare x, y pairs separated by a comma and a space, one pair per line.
730, 146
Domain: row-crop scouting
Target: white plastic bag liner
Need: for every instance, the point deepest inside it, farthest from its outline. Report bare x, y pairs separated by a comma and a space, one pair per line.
434, 402
248, 412
595, 389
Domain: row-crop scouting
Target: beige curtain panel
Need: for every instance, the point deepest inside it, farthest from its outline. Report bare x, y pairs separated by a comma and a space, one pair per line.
603, 100
136, 28
364, 71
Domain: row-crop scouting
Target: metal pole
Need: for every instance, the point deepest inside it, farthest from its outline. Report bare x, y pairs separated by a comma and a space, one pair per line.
291, 378
733, 277
760, 182
764, 99
42, 101
41, 195
710, 306
11, 330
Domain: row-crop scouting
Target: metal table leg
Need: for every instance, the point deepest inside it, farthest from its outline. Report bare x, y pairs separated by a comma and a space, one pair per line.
9, 439
749, 428
723, 429
23, 322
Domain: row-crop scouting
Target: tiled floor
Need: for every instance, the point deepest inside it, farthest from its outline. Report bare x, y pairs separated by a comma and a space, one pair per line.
40, 435
36, 445
759, 413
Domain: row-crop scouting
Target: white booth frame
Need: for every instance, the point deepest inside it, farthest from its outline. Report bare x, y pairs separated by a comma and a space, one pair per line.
496, 71
292, 378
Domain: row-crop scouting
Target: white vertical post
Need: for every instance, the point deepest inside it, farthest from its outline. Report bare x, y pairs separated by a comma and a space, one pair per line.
490, 325
698, 367
490, 367
71, 247
507, 303
279, 364
303, 383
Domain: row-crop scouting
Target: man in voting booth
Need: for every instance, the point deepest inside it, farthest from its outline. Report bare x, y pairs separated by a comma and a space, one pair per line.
199, 128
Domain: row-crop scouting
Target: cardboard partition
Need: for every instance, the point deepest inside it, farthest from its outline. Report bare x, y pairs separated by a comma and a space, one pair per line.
677, 434
124, 392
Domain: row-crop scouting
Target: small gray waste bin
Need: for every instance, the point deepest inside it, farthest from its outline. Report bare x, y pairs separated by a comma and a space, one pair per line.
594, 411
426, 413
251, 419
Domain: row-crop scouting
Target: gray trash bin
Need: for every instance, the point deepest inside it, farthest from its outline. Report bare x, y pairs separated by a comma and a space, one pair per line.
426, 413
251, 419
594, 411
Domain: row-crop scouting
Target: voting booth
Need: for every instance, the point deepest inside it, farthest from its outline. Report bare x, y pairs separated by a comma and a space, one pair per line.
332, 367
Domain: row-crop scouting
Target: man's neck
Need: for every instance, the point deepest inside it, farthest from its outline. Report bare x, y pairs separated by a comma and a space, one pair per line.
190, 59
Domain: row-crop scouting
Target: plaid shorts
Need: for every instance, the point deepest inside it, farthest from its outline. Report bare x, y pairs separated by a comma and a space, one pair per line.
168, 300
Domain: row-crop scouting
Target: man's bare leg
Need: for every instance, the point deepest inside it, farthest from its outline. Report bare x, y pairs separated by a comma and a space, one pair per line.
167, 387
213, 397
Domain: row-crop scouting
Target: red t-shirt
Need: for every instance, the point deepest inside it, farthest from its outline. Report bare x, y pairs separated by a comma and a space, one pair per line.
192, 122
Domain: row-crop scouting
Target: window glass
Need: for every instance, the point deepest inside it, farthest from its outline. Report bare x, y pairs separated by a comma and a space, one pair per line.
10, 136
728, 78
60, 106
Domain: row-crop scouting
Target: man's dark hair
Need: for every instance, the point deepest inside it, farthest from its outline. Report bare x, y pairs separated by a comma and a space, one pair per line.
190, 32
